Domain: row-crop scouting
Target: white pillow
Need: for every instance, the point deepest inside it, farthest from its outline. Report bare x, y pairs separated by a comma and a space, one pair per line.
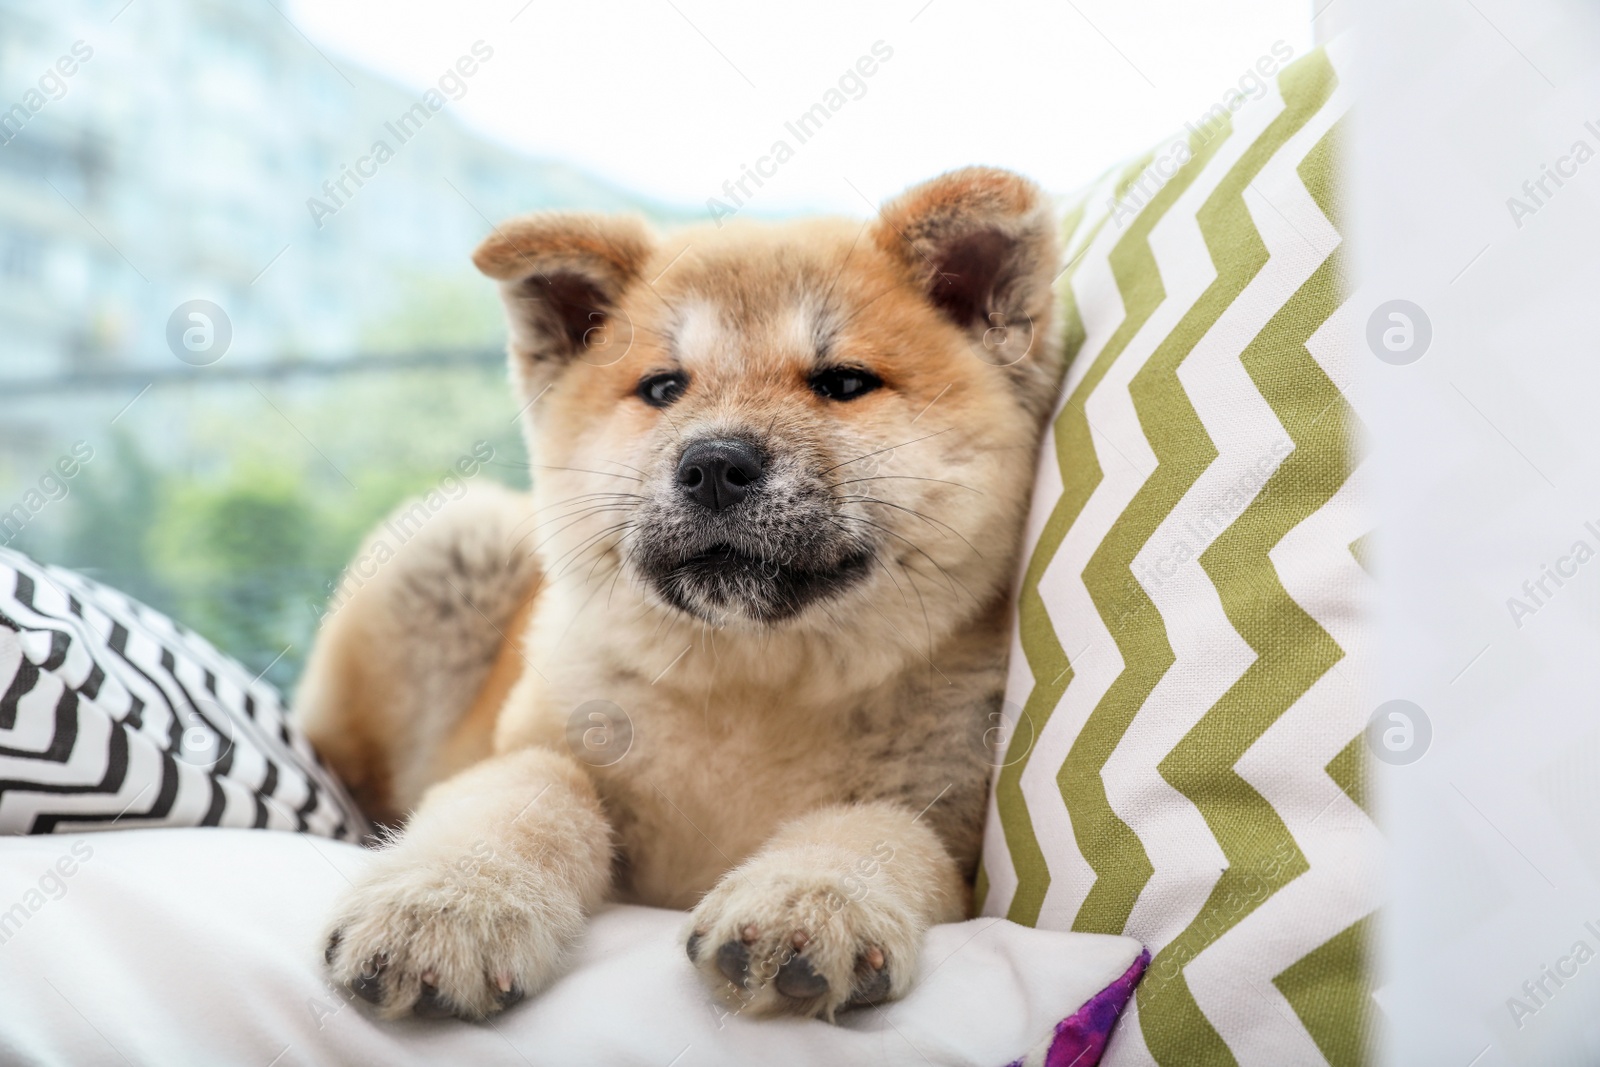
201, 946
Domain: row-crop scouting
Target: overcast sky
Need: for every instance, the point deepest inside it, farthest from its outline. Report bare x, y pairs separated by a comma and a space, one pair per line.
671, 98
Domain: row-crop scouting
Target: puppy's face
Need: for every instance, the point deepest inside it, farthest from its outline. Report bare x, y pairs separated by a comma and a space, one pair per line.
782, 425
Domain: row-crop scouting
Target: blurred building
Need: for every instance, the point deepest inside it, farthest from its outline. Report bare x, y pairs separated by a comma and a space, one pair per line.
176, 163
155, 152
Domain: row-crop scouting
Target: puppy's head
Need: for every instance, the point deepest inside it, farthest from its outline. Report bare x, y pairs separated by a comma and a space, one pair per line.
787, 424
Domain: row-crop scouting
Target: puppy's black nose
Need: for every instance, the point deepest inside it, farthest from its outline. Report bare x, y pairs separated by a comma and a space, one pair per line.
717, 474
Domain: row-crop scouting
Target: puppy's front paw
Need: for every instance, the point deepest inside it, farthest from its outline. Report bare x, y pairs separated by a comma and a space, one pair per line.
450, 938
805, 933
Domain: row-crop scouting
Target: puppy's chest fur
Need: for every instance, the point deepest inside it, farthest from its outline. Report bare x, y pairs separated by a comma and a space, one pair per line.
712, 770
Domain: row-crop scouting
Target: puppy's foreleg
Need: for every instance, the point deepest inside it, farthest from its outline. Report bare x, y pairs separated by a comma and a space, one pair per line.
829, 914
481, 898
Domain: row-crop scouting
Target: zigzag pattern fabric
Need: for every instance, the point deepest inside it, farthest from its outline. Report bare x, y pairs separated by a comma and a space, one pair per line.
1184, 707
112, 717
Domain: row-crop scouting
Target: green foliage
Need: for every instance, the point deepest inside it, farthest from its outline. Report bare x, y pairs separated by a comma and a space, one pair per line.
234, 508
235, 552
114, 501
437, 312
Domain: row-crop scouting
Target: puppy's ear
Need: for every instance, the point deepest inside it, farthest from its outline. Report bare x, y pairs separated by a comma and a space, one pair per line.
981, 244
561, 277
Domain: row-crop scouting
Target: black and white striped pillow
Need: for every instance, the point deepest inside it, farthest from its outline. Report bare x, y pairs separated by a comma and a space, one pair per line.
112, 716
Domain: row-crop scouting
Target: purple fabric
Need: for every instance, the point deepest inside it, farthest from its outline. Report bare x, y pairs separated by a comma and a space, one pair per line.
1080, 1039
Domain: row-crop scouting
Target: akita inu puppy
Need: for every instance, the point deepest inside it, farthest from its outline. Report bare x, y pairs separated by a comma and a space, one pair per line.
741, 649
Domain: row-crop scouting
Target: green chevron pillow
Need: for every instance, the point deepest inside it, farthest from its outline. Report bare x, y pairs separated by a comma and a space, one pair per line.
1184, 762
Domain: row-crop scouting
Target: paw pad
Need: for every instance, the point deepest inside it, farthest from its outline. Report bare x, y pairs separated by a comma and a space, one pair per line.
368, 985
798, 979
430, 1005
872, 980
733, 960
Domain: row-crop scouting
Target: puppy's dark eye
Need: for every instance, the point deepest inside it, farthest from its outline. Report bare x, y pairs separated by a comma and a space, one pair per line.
660, 390
844, 383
